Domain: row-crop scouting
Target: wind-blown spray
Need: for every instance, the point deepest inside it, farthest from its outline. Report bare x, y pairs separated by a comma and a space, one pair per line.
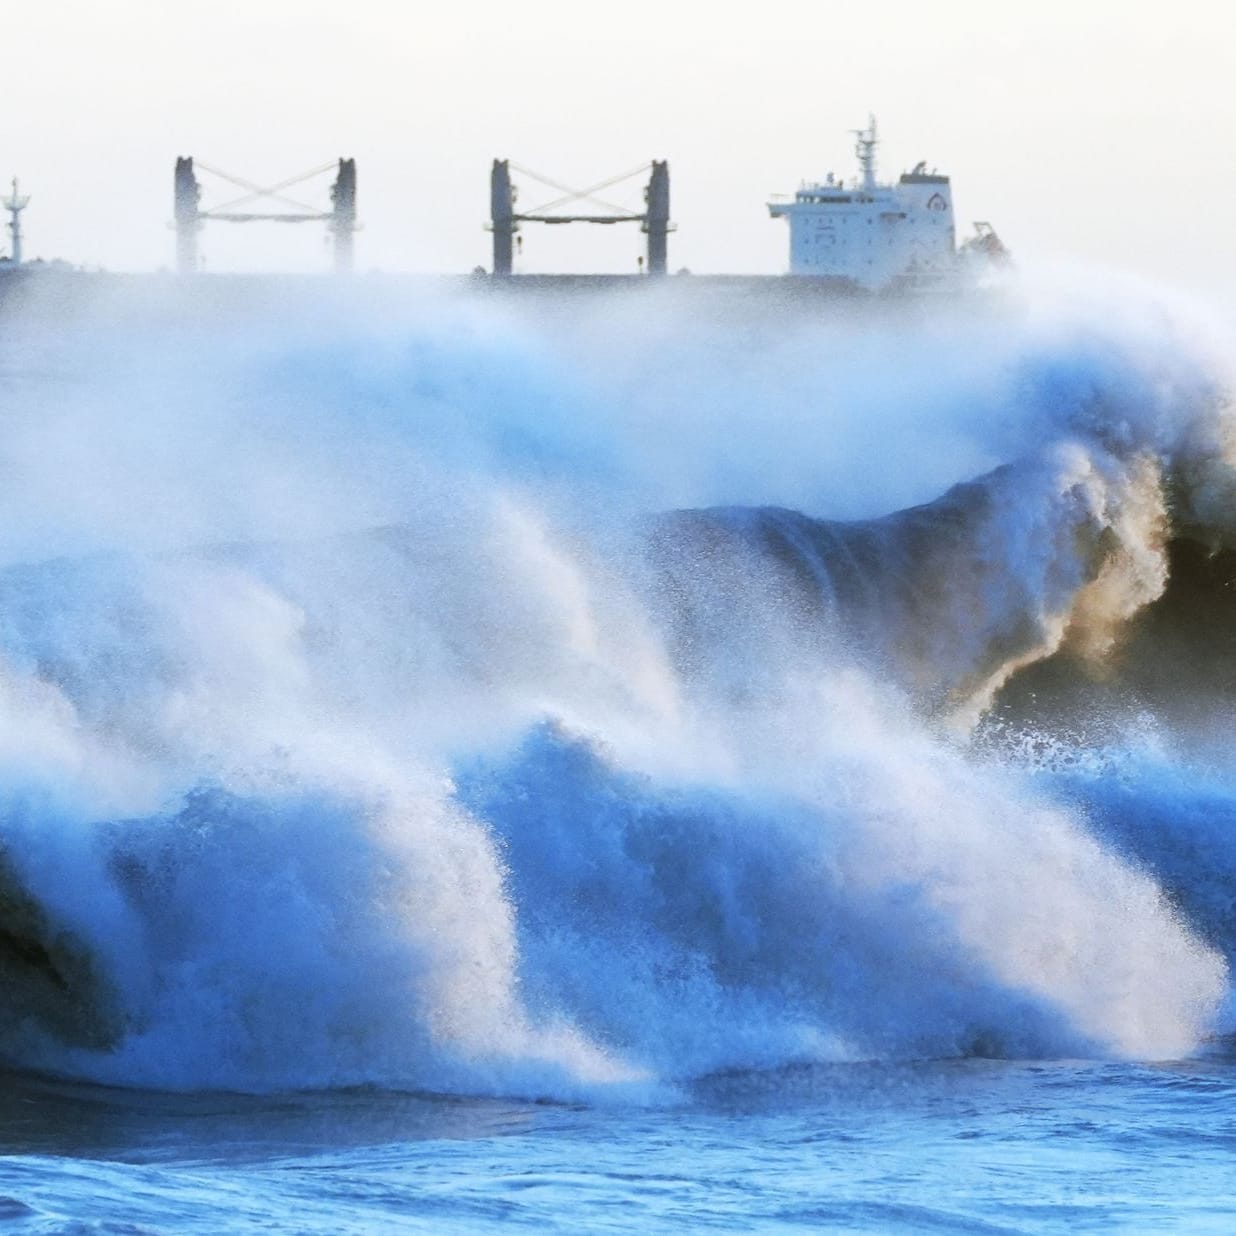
486, 698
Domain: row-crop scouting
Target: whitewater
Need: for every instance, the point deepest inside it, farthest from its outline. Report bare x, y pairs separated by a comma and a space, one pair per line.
636, 761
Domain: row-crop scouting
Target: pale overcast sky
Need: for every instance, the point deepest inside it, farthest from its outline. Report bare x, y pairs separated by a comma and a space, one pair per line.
1090, 130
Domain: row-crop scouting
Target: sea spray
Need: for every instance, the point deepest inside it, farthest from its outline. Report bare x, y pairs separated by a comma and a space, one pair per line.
378, 713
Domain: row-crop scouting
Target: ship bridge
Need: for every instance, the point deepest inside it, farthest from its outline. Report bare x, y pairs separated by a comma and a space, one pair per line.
870, 234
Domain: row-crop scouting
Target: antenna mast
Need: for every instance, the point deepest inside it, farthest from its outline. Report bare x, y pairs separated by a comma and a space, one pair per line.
865, 148
15, 204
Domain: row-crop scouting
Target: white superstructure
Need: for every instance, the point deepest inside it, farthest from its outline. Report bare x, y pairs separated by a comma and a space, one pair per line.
876, 236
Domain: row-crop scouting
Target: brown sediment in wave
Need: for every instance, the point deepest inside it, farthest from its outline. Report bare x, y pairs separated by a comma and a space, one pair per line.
1175, 659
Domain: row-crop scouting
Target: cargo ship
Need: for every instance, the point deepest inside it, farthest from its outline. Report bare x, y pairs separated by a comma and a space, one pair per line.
850, 239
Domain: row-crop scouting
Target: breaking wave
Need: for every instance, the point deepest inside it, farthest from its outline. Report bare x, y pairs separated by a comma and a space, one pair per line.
510, 698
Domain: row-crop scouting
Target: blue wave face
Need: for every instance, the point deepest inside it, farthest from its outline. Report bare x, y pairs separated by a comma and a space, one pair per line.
575, 701
698, 930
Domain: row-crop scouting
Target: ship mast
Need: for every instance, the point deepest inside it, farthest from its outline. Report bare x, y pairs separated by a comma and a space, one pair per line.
15, 204
865, 147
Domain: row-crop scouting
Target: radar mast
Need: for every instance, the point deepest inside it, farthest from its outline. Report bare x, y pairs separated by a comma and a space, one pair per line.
15, 204
865, 147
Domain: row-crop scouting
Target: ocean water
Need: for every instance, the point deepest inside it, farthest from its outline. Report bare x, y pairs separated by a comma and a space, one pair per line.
957, 1146
652, 762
